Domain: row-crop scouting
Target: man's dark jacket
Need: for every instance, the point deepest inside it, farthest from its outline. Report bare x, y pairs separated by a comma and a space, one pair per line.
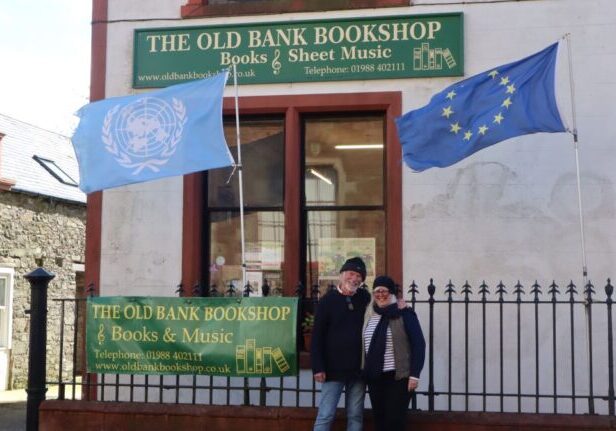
336, 340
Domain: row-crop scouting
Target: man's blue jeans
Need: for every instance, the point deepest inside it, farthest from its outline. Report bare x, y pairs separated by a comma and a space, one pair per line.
355, 390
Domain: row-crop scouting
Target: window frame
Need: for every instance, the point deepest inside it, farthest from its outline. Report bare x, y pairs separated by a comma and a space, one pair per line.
5, 183
292, 107
55, 171
336, 208
202, 8
9, 275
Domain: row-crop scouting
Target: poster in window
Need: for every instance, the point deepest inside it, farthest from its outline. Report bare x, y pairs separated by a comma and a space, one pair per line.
333, 252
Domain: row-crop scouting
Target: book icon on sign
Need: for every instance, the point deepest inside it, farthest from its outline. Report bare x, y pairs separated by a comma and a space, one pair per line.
427, 58
280, 360
451, 62
251, 359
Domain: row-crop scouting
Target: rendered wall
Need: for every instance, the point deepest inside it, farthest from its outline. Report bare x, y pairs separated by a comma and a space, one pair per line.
509, 212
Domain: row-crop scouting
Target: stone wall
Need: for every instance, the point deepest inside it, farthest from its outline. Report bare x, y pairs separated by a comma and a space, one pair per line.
40, 231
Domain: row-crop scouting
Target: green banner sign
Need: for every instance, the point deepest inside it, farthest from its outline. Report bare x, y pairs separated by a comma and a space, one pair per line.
251, 337
302, 51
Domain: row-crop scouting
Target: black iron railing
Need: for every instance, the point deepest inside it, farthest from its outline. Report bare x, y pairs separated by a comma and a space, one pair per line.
539, 351
494, 349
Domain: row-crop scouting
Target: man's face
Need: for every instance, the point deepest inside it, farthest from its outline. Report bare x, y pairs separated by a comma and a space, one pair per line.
350, 281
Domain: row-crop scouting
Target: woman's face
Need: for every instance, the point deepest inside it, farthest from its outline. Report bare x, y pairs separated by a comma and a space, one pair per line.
381, 296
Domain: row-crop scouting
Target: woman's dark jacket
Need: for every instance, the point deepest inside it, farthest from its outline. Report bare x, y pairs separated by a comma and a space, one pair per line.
416, 341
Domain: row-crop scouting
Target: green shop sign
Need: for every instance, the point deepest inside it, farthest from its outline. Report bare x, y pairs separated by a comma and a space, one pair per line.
250, 337
302, 51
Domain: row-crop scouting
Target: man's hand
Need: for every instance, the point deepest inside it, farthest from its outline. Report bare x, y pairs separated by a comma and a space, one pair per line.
402, 303
319, 377
413, 383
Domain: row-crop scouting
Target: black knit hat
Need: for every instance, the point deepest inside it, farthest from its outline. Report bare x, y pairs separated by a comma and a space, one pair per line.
385, 281
355, 264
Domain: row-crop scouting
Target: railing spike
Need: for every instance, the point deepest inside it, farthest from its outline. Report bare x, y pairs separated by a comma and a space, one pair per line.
483, 289
431, 288
536, 290
553, 290
501, 290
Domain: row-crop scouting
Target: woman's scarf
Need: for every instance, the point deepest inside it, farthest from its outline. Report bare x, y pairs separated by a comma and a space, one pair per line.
376, 352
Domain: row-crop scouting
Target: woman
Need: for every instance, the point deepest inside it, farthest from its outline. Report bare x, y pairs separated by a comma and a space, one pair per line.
394, 349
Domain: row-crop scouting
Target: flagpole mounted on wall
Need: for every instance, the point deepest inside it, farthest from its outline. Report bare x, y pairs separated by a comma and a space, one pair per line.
574, 133
239, 177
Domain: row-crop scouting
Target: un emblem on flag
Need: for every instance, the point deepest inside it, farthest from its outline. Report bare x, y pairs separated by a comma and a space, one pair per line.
144, 133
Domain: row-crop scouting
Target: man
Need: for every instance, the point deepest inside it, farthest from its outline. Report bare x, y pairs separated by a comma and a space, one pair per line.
336, 347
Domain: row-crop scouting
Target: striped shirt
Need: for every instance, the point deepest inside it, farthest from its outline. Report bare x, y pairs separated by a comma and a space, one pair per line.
388, 362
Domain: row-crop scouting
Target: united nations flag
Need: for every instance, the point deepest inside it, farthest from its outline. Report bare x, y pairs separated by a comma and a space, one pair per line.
174, 131
511, 100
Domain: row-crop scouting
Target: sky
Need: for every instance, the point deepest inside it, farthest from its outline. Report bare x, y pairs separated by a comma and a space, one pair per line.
45, 61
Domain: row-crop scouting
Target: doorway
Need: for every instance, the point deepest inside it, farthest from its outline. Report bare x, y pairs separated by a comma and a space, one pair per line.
6, 324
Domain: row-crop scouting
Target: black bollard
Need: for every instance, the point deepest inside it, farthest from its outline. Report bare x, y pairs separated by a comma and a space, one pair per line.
37, 360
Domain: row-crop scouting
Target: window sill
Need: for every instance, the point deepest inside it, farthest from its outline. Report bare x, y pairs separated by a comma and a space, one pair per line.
6, 184
197, 9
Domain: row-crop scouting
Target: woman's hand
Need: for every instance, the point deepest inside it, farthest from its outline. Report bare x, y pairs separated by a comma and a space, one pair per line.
413, 383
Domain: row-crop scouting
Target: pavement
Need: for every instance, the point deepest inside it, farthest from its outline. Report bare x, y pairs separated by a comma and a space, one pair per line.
13, 410
13, 407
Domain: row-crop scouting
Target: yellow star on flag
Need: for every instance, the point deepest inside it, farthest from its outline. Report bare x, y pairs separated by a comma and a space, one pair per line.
447, 112
498, 118
483, 129
493, 74
504, 80
510, 89
467, 135
451, 94
507, 103
455, 128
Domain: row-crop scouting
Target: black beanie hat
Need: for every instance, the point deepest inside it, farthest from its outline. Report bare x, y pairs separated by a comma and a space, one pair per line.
385, 281
355, 264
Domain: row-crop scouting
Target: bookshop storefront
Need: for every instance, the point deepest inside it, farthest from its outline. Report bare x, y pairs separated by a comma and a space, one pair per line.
321, 160
320, 85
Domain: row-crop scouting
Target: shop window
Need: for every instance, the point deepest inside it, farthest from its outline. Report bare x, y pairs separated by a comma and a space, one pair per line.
264, 251
343, 183
322, 182
262, 150
200, 8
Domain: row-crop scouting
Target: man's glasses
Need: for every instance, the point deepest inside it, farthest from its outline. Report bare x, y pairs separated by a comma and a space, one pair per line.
349, 303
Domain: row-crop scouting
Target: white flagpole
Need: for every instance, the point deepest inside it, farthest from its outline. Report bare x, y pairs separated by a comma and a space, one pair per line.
239, 162
577, 159
574, 132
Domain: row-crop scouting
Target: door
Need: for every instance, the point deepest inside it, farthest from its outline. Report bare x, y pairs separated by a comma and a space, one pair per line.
6, 315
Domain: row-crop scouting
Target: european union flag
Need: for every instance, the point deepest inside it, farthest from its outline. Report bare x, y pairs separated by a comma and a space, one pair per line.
511, 100
174, 131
